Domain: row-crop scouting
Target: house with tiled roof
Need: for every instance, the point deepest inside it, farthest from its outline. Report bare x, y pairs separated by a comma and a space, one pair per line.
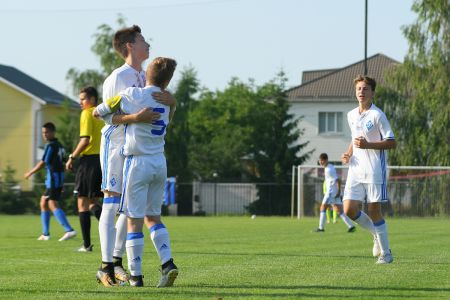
323, 99
26, 104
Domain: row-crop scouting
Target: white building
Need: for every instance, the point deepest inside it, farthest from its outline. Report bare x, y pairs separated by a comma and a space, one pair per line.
323, 100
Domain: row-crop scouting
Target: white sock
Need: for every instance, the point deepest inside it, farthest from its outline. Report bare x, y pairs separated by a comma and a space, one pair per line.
107, 230
135, 248
121, 235
364, 221
382, 236
346, 220
160, 239
322, 219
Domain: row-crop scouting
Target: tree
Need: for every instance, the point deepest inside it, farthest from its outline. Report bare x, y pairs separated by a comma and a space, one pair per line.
416, 97
178, 134
109, 59
221, 127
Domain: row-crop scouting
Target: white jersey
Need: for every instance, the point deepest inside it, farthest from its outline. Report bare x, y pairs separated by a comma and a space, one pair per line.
120, 79
369, 165
113, 135
144, 138
331, 180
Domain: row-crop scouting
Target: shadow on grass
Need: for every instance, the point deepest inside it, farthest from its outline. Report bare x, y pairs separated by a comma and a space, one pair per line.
224, 291
272, 254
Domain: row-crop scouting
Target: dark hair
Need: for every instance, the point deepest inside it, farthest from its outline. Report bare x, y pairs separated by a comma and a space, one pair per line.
50, 126
369, 80
90, 91
323, 156
160, 70
124, 36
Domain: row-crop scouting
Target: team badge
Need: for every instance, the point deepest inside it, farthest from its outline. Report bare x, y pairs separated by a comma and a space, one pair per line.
369, 125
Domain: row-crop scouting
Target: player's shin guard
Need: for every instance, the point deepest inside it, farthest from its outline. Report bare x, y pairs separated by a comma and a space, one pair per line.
382, 236
365, 221
135, 248
160, 239
322, 219
335, 213
346, 220
107, 229
121, 236
45, 220
61, 217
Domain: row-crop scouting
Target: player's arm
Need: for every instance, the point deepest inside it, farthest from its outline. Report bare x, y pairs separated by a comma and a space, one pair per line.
82, 144
345, 157
145, 115
36, 168
362, 143
166, 98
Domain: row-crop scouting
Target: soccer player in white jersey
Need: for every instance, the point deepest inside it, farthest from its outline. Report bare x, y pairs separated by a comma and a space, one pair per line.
331, 197
367, 176
132, 47
145, 171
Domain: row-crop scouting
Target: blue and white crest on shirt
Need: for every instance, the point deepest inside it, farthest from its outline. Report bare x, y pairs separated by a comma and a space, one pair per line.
369, 125
113, 182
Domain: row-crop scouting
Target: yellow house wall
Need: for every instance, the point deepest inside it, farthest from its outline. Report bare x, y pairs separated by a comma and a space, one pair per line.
15, 132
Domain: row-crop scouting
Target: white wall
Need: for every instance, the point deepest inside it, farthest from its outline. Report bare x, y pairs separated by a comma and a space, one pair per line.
332, 144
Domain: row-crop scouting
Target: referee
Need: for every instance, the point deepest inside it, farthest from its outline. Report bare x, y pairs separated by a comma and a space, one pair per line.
89, 176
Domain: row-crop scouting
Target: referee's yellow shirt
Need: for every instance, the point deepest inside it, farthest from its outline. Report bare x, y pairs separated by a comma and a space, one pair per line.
90, 127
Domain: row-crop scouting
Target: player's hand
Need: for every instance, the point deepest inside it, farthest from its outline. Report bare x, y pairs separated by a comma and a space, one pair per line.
69, 164
147, 115
360, 142
95, 114
165, 98
26, 175
345, 157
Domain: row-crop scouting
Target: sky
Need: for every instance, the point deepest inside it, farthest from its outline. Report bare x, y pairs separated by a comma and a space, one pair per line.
221, 39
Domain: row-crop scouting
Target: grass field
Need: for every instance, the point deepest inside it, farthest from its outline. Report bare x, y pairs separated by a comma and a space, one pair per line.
237, 258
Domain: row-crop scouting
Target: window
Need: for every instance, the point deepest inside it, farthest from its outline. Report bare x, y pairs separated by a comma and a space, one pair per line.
330, 122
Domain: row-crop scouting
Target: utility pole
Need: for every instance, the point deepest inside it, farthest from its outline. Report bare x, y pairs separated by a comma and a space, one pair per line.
365, 43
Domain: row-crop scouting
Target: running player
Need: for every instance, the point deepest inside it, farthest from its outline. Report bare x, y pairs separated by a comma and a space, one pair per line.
52, 160
332, 194
367, 176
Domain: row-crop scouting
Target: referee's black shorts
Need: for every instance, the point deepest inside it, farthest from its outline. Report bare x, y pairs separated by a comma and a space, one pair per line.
88, 179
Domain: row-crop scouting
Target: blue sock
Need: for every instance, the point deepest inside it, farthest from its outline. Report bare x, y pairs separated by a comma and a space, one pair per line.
61, 217
45, 220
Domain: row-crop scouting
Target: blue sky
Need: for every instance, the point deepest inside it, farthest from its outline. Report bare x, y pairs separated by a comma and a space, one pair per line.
219, 38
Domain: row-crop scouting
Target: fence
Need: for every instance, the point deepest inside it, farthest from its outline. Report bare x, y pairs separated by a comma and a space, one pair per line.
412, 190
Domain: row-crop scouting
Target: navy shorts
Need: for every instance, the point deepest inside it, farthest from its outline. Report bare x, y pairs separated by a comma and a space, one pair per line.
53, 194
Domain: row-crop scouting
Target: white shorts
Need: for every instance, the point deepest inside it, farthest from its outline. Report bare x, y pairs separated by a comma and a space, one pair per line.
373, 192
111, 160
143, 185
328, 200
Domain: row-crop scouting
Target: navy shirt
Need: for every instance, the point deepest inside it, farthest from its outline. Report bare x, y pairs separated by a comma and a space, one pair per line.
53, 159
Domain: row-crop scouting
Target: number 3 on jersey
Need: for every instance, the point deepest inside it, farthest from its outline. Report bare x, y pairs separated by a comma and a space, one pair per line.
159, 123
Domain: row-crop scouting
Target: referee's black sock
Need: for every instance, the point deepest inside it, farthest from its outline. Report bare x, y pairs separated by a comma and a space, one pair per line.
97, 211
85, 223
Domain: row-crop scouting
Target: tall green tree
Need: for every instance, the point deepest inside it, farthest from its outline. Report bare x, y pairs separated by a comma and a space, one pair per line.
178, 134
109, 59
221, 127
417, 94
277, 138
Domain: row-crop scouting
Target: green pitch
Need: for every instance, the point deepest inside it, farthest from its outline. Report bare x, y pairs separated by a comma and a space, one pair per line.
237, 258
